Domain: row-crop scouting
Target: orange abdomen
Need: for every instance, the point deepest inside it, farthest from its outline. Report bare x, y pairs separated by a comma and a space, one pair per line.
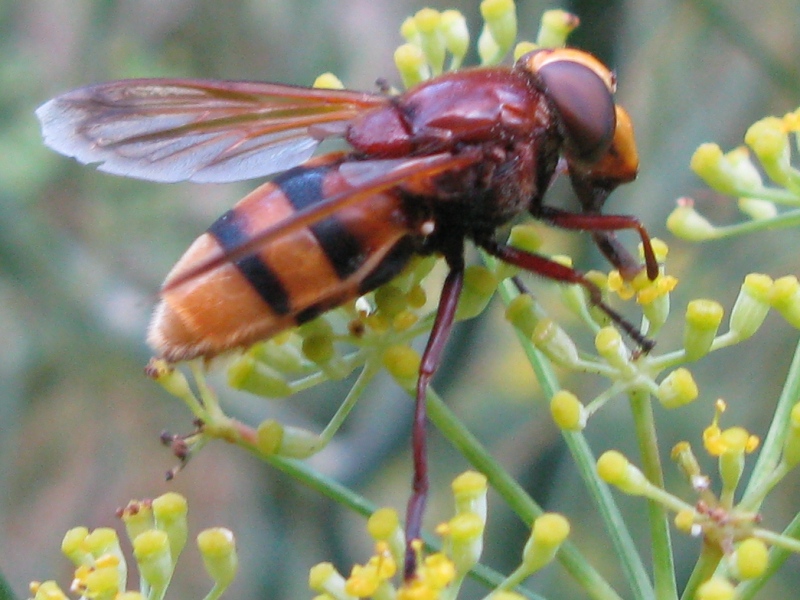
293, 277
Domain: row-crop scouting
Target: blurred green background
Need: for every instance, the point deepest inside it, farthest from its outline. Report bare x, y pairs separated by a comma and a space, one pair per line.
82, 255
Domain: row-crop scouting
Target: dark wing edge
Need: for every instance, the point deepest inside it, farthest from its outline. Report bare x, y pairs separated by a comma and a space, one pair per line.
170, 130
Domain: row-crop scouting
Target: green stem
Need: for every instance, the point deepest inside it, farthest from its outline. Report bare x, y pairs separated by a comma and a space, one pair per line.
778, 540
371, 368
704, 568
516, 497
771, 450
630, 559
663, 567
790, 218
617, 530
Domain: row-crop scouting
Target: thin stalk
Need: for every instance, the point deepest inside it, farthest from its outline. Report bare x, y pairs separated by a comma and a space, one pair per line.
790, 218
629, 557
507, 487
771, 449
704, 568
663, 566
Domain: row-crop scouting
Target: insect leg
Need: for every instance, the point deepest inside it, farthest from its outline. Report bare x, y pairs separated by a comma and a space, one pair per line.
431, 359
553, 270
617, 254
598, 224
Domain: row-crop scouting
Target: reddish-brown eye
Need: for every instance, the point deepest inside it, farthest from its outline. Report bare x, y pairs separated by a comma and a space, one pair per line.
584, 105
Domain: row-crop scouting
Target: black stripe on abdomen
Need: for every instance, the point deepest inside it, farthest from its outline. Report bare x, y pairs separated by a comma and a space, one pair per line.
230, 232
304, 187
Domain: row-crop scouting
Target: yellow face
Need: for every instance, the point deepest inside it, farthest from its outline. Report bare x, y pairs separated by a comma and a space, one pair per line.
598, 135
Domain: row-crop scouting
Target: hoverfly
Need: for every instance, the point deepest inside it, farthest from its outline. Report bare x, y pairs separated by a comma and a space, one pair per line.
449, 160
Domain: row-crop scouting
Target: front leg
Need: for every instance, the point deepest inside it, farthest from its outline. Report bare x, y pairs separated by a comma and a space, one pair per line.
551, 269
602, 227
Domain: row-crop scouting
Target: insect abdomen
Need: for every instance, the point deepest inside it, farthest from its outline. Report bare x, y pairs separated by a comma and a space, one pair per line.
294, 277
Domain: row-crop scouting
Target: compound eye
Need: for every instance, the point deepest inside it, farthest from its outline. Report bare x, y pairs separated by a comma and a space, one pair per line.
584, 105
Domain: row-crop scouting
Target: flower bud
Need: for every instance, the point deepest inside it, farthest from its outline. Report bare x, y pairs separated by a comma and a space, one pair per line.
384, 526
716, 588
567, 411
499, 31
610, 346
555, 27
47, 590
784, 296
479, 286
525, 237
732, 174
758, 209
684, 521
102, 582
73, 548
431, 39
402, 362
554, 343
524, 314
269, 437
170, 511
703, 318
751, 306
731, 460
328, 81
677, 388
152, 552
769, 141
686, 223
170, 379
296, 442
102, 540
390, 300
521, 49
749, 560
284, 355
456, 36
548, 533
469, 492
616, 470
138, 517
324, 578
686, 460
249, 375
464, 534
318, 348
730, 446
218, 548
410, 62
409, 31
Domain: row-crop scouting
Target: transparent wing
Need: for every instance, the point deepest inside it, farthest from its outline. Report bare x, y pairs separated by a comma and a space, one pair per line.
198, 130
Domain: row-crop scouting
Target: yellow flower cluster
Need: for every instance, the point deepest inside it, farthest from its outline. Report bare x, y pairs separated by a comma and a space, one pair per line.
157, 530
